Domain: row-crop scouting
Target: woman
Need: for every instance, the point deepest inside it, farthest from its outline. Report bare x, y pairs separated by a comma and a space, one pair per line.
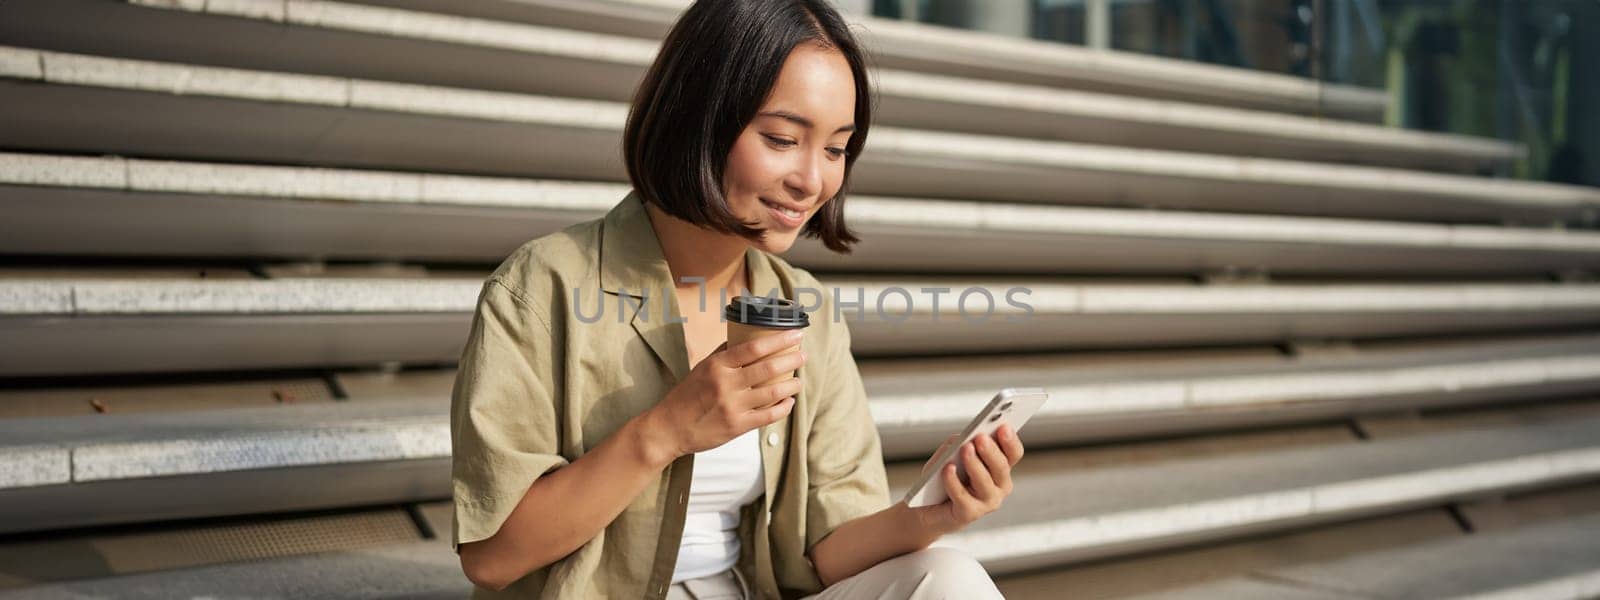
609, 443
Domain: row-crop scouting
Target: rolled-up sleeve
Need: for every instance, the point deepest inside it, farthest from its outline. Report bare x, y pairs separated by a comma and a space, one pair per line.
503, 415
845, 457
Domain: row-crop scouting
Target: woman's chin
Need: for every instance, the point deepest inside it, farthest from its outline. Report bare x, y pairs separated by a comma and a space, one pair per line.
776, 244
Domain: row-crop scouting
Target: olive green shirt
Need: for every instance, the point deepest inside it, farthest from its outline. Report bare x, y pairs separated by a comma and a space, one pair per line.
545, 377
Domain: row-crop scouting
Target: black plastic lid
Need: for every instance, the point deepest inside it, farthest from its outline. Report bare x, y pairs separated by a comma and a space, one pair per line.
762, 311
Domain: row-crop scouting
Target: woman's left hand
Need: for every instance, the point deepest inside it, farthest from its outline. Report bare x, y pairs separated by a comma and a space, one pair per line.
987, 461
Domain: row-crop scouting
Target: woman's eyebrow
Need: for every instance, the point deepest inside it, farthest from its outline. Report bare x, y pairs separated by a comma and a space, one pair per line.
802, 121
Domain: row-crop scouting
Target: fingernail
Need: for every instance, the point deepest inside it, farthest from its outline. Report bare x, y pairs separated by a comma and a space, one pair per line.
795, 335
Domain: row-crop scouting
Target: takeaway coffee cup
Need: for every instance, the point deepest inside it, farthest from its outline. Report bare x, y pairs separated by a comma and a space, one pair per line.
750, 317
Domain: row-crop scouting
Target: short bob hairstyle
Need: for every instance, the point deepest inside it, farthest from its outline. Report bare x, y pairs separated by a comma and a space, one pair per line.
713, 72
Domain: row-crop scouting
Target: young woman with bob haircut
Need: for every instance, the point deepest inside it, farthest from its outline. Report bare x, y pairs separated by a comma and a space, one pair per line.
609, 443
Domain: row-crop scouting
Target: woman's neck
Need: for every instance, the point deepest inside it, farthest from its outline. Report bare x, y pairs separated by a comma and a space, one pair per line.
695, 252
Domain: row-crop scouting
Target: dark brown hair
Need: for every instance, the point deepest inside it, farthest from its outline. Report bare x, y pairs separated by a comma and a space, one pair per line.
715, 69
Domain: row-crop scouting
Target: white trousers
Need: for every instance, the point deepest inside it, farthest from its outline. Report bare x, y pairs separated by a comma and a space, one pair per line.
932, 574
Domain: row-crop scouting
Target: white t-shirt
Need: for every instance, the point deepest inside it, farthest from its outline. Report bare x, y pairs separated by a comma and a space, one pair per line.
725, 478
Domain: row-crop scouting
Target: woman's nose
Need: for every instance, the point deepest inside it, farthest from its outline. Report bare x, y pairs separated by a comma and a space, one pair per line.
806, 180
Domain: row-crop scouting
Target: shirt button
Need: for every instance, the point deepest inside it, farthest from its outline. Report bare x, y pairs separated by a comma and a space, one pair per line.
772, 439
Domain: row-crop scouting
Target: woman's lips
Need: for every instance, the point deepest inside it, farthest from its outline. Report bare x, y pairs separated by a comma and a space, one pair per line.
784, 215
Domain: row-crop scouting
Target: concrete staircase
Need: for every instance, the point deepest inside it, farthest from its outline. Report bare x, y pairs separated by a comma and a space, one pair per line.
1291, 353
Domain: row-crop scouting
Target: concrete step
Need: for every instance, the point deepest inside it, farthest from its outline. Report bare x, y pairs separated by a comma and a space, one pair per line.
73, 103
1167, 499
1101, 397
116, 326
948, 51
1258, 558
1049, 521
386, 433
98, 206
361, 568
1552, 560
56, 398
99, 326
415, 570
60, 556
1114, 315
354, 40
1108, 396
1194, 566
219, 560
176, 465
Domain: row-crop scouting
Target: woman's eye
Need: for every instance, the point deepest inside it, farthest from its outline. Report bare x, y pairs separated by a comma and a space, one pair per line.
783, 143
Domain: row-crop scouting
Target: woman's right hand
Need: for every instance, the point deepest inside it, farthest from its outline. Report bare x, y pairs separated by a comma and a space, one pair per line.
724, 395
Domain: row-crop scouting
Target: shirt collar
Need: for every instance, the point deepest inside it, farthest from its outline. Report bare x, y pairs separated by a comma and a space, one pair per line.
631, 263
631, 260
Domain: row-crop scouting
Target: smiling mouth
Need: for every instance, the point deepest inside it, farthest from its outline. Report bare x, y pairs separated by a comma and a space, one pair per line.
783, 209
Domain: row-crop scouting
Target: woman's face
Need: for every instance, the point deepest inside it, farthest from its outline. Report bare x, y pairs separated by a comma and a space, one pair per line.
792, 154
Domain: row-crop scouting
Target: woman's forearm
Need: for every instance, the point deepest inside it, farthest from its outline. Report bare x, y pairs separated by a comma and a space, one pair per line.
859, 544
569, 506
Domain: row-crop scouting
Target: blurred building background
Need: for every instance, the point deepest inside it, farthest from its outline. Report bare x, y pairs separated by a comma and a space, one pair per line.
1313, 281
1516, 70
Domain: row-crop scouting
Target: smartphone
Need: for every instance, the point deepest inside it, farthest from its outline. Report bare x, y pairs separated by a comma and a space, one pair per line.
1013, 406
